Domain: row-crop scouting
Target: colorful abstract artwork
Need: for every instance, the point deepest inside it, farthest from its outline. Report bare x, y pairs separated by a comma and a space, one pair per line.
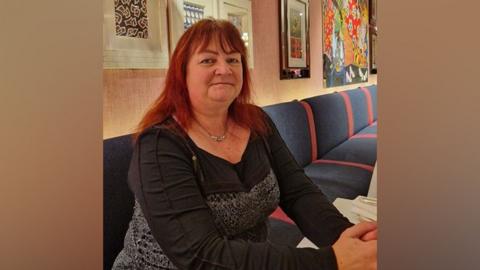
345, 42
131, 18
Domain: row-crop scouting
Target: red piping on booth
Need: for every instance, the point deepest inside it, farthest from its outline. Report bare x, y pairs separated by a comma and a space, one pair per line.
364, 136
311, 127
348, 108
368, 99
346, 163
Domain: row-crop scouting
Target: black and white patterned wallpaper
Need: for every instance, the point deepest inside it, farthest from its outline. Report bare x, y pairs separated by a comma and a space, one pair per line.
131, 18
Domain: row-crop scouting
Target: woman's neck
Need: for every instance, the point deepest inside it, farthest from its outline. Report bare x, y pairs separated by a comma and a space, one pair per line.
214, 122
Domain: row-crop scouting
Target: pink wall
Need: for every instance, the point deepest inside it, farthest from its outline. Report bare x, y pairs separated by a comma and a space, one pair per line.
127, 93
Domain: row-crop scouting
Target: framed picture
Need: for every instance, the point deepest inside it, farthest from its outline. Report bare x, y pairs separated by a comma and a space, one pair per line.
345, 42
239, 12
373, 11
296, 33
373, 54
373, 35
294, 39
183, 13
135, 34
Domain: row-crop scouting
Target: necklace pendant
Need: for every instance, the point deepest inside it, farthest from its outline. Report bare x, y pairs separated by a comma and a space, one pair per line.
217, 138
213, 137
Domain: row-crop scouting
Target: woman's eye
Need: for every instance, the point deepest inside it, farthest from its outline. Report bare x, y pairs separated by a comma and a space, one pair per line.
233, 61
207, 61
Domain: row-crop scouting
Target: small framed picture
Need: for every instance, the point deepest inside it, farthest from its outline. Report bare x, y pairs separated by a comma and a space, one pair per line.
297, 33
294, 39
239, 13
183, 13
135, 34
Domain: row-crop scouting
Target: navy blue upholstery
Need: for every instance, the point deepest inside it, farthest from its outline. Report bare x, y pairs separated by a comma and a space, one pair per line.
350, 160
117, 198
359, 109
339, 181
373, 93
372, 129
331, 123
292, 124
361, 150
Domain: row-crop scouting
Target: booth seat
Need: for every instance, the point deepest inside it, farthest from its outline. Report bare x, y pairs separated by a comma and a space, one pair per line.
118, 200
333, 137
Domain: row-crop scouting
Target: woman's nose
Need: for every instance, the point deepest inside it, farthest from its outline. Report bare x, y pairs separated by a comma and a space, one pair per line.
223, 68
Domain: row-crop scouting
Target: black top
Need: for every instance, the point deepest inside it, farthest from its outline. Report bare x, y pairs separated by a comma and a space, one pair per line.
207, 213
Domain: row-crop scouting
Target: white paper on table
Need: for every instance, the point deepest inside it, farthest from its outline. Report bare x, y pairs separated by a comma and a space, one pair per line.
372, 190
365, 207
305, 243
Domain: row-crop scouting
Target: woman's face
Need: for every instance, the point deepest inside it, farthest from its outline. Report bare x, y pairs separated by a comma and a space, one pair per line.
214, 77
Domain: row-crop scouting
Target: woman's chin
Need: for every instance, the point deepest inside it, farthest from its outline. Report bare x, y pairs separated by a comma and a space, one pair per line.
222, 99
222, 94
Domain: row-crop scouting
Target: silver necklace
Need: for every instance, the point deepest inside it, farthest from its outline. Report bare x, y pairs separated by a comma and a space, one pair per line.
215, 138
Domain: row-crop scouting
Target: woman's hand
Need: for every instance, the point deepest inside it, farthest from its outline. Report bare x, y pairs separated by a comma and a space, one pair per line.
352, 249
371, 235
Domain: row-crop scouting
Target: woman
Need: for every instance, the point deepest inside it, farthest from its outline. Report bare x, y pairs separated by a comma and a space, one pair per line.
209, 168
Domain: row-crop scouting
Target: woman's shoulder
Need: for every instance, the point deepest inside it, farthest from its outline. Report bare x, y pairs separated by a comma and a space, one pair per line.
166, 134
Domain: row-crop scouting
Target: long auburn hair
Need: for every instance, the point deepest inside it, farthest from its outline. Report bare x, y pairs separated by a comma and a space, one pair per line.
174, 98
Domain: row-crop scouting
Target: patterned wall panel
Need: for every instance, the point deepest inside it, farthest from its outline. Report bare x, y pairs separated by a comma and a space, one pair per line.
131, 18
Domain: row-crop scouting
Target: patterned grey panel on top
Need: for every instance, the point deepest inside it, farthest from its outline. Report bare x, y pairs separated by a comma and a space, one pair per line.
254, 205
131, 18
141, 250
242, 215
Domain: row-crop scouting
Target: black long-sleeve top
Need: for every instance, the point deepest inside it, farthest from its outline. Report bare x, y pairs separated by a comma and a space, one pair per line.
195, 210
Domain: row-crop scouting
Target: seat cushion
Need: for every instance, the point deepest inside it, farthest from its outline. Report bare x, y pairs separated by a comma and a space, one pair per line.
361, 150
339, 181
291, 121
371, 129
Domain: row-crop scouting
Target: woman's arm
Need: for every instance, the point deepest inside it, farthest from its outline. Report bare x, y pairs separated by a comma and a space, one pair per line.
301, 199
165, 185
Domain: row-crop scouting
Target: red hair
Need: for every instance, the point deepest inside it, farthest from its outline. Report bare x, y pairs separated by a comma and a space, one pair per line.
175, 99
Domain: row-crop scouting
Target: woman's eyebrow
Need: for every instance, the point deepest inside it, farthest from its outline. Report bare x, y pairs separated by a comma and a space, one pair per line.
216, 53
208, 51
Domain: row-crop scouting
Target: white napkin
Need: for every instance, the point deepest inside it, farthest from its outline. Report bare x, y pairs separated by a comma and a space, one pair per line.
365, 208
